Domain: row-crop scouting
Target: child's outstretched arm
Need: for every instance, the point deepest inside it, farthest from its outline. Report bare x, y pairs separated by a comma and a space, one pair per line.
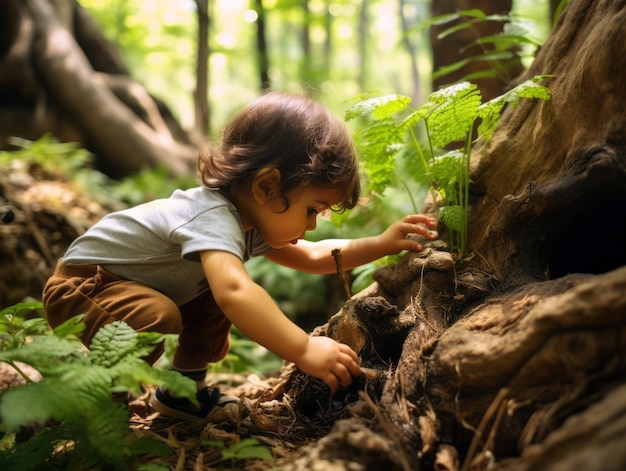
315, 257
249, 307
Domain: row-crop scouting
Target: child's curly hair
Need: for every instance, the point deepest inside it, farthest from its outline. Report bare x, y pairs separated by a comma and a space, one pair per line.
292, 133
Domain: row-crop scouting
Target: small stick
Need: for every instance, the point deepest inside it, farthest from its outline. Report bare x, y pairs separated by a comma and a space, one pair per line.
336, 253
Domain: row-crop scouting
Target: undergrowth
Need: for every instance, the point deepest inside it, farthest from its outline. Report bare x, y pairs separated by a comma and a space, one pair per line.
69, 419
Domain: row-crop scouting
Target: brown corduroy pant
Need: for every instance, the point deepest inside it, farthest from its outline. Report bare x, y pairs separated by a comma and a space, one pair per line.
104, 298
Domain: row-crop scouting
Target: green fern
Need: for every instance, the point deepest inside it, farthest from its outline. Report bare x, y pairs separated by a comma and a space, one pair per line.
245, 449
448, 120
76, 391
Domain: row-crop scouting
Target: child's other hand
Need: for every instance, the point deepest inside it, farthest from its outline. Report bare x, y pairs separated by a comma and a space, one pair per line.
333, 362
394, 239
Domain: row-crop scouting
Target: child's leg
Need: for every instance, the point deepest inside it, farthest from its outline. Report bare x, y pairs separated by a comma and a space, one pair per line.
105, 298
204, 339
205, 336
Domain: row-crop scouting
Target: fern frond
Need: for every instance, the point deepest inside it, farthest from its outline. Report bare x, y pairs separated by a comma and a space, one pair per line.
491, 111
35, 402
378, 144
131, 373
34, 454
453, 217
380, 107
102, 432
44, 353
175, 383
117, 340
111, 343
71, 328
453, 111
89, 383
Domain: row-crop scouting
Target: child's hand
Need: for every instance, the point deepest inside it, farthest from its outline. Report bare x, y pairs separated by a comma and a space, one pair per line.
333, 362
394, 239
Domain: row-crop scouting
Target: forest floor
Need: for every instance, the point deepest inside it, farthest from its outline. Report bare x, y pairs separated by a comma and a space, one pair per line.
282, 413
264, 414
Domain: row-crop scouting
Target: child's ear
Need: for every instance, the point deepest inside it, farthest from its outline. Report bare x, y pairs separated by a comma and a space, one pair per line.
266, 184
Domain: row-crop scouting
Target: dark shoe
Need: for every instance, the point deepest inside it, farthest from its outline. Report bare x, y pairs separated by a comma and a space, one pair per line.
210, 400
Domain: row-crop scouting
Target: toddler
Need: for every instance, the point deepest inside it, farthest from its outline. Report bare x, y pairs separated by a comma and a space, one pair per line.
176, 265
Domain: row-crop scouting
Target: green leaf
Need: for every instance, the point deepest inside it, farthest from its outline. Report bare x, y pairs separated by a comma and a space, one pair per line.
491, 111
43, 353
448, 69
142, 446
381, 107
246, 449
378, 144
35, 402
454, 110
71, 328
34, 454
453, 217
104, 429
16, 309
113, 342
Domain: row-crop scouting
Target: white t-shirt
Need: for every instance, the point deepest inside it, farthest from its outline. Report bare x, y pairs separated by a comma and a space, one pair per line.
157, 243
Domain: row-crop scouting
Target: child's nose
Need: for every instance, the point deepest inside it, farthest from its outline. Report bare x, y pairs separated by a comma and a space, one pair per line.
311, 223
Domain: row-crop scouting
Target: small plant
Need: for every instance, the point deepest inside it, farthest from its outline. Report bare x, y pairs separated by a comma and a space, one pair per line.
90, 429
246, 449
441, 163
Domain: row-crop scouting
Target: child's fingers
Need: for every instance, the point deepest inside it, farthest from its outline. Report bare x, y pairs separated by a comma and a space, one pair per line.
421, 219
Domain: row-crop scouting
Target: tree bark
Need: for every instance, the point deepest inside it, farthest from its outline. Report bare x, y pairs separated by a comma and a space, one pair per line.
54, 87
555, 168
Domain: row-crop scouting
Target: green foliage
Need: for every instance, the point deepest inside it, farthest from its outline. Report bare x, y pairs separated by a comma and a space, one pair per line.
75, 164
246, 355
246, 449
448, 119
76, 393
149, 184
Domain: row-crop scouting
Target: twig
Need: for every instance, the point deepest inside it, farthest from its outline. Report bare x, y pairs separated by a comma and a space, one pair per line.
494, 409
336, 253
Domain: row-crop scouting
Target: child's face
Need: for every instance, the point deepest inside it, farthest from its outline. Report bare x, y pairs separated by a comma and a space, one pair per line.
279, 229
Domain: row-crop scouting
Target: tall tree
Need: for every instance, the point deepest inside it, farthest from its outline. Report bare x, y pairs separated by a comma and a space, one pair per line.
202, 122
406, 25
363, 41
261, 44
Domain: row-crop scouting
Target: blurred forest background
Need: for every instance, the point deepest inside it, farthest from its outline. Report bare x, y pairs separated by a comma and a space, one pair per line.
335, 49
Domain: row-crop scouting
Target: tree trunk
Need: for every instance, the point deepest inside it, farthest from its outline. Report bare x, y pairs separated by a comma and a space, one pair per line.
416, 91
262, 52
201, 100
48, 84
555, 168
